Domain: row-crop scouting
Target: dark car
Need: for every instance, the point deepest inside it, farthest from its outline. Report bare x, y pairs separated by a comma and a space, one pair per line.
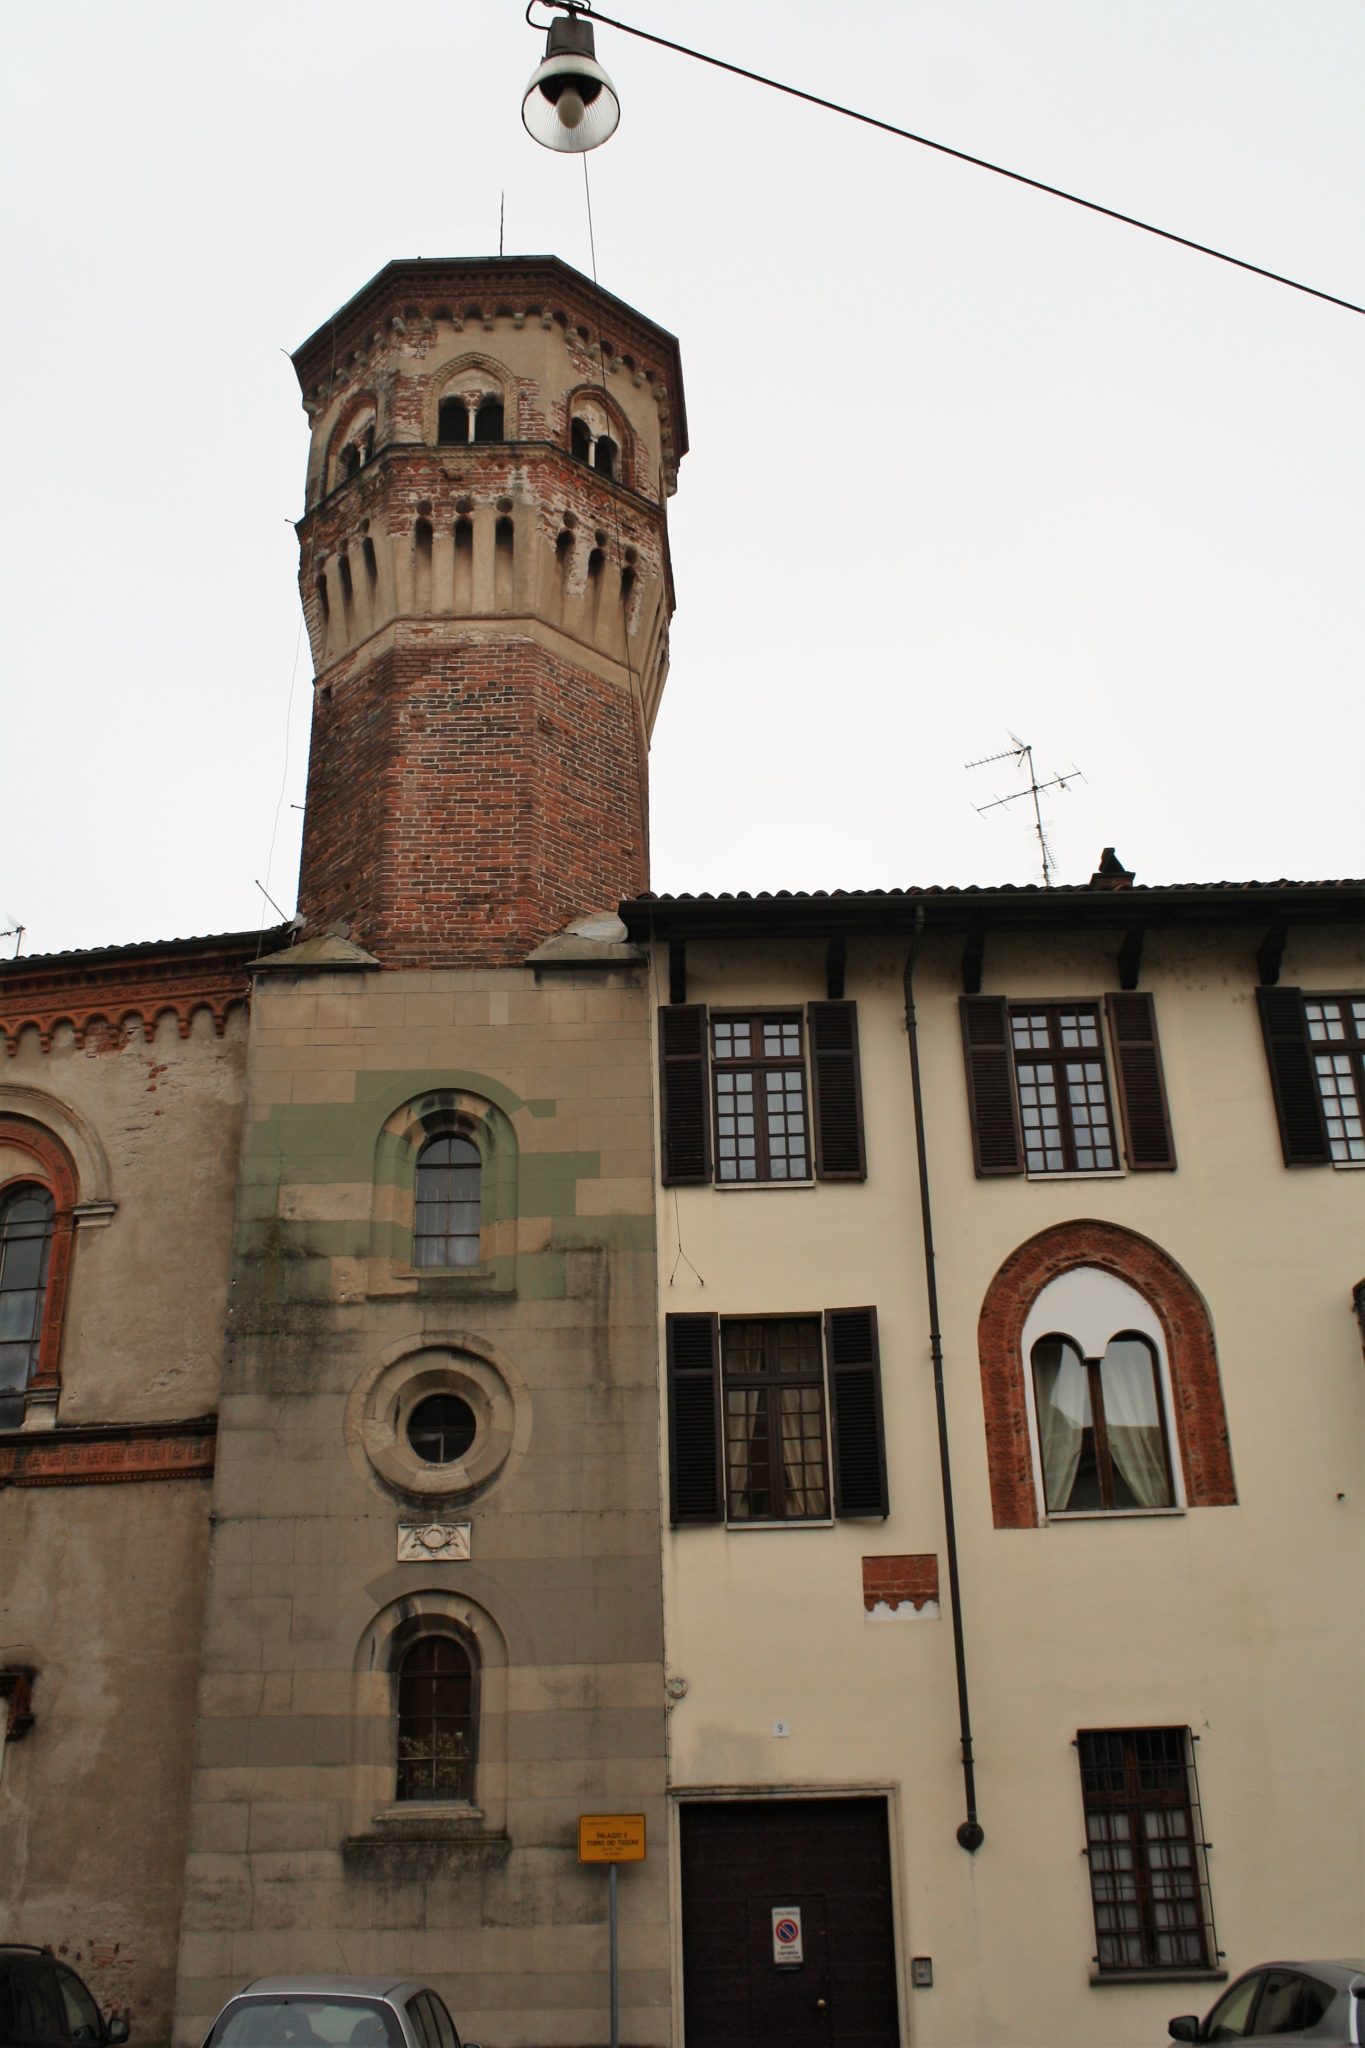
44, 2004
335, 2012
1277, 2003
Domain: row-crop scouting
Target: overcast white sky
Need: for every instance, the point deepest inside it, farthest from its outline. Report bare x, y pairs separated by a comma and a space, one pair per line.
964, 459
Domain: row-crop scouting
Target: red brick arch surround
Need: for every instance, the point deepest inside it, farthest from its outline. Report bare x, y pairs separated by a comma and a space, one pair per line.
1197, 1394
54, 1169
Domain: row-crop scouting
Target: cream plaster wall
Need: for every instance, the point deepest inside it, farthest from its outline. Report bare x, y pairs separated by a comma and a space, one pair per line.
1240, 1622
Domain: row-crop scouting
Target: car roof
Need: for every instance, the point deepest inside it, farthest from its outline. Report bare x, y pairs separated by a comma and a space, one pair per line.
1343, 1968
318, 1984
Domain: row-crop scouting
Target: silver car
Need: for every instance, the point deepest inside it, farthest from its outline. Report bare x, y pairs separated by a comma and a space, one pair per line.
335, 2012
1277, 2003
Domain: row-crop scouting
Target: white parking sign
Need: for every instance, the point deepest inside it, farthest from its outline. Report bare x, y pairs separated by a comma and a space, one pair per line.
787, 1935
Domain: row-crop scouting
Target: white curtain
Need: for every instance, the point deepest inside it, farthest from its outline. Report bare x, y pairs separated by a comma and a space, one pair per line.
743, 1408
1133, 1419
802, 1455
1062, 1391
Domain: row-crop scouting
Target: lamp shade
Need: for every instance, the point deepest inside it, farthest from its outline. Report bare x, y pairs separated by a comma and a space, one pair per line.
570, 102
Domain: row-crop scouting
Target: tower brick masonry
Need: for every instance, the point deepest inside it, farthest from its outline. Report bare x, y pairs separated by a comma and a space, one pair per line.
485, 575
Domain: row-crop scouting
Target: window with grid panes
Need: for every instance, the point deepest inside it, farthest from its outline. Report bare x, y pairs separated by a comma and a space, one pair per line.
447, 1190
1143, 1841
762, 1129
1068, 1126
1336, 1036
25, 1246
772, 1378
436, 1720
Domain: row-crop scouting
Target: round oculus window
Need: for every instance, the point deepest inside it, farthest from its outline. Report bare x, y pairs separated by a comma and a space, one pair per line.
441, 1428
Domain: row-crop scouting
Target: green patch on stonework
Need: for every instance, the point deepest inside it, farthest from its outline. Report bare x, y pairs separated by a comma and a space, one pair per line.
373, 1143
549, 1181
610, 1233
312, 1142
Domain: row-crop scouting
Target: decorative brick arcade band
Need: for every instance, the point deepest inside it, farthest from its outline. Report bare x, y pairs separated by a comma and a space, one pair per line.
1197, 1394
105, 997
84, 1457
896, 1581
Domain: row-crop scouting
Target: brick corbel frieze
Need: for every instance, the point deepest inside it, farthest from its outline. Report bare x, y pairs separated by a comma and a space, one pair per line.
106, 997
108, 1454
1197, 1394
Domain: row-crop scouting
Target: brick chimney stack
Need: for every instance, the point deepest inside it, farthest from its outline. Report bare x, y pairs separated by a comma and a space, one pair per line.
485, 575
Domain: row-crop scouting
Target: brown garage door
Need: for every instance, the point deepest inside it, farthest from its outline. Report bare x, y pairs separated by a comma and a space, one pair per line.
765, 1881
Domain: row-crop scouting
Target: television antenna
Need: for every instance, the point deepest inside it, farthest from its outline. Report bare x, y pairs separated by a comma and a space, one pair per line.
1022, 752
15, 932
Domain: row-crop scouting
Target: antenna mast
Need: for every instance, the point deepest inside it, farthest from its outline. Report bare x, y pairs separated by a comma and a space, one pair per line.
1022, 751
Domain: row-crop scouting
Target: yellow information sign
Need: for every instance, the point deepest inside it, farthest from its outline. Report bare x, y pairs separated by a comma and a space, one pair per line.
611, 1838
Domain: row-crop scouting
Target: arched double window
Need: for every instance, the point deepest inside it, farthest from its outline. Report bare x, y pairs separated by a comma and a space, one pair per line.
1096, 1358
1099, 1381
594, 439
448, 1197
460, 421
437, 1719
26, 1224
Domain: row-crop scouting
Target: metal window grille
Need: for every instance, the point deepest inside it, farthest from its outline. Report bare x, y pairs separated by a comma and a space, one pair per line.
1145, 1842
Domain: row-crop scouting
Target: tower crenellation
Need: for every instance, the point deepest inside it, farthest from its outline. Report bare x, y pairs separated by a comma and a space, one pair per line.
485, 577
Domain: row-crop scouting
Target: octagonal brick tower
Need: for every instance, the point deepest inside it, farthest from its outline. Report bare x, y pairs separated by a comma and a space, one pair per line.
485, 576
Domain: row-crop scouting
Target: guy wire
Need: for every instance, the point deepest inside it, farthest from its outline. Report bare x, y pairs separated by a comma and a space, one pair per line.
636, 688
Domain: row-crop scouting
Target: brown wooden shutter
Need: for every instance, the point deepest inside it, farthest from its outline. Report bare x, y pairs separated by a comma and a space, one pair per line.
1298, 1105
990, 1085
1147, 1137
695, 1482
855, 1412
685, 1094
836, 1091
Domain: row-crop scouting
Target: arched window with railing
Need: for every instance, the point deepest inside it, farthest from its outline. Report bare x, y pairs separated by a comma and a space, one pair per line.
437, 1701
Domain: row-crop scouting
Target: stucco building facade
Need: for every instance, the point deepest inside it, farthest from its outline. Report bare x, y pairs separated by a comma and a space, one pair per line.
1143, 1196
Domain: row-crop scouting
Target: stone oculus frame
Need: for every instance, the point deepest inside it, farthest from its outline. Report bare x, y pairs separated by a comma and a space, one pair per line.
385, 1395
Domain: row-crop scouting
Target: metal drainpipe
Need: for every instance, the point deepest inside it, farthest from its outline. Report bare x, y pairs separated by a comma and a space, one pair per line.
970, 1834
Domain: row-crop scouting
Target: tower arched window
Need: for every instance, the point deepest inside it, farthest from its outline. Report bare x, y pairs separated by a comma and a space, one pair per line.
608, 456
448, 1193
437, 1720
580, 440
26, 1225
452, 423
488, 420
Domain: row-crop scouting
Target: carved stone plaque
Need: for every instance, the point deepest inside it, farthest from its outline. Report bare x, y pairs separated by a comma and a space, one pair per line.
432, 1542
